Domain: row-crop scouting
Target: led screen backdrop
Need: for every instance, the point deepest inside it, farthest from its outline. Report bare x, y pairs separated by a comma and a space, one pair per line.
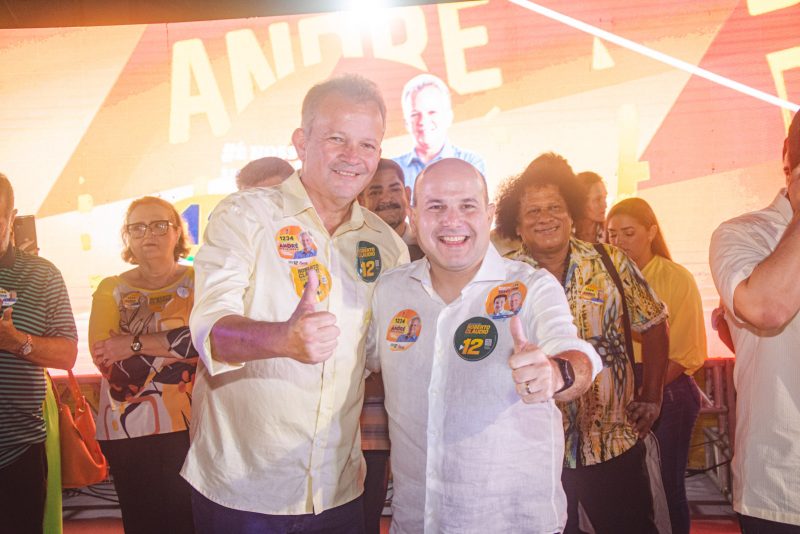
683, 103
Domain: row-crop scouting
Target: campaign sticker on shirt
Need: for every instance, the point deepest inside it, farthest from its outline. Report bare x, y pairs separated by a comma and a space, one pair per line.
8, 298
300, 277
368, 261
404, 330
506, 300
296, 245
592, 293
132, 300
475, 339
158, 301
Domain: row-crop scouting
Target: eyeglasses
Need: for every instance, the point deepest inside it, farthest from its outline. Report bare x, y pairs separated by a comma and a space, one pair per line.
138, 230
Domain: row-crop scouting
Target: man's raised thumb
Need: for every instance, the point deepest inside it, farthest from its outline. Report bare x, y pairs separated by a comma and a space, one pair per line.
308, 299
518, 334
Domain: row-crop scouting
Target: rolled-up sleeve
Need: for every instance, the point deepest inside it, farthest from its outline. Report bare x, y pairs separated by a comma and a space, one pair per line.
222, 272
552, 325
732, 257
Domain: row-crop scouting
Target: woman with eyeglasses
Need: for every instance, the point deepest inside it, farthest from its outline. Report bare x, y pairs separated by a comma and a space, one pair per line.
139, 339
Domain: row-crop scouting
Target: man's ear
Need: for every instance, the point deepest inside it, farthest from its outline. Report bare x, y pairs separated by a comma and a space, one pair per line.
299, 142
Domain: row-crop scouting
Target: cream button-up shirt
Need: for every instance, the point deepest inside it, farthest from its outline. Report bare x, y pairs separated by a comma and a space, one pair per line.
276, 436
467, 454
766, 457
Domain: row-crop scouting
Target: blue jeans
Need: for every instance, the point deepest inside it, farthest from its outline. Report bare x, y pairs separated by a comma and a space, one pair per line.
674, 432
213, 518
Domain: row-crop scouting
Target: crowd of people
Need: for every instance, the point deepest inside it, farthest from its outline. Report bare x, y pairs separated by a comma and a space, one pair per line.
521, 364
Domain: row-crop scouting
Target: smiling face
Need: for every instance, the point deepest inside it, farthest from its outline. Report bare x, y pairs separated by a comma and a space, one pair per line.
544, 222
499, 303
515, 301
428, 118
340, 149
153, 247
387, 197
413, 327
632, 237
452, 217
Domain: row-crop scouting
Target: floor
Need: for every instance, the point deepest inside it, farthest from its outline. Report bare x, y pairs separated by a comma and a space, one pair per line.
96, 513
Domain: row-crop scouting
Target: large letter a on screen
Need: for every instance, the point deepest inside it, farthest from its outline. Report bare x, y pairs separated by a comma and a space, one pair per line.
189, 60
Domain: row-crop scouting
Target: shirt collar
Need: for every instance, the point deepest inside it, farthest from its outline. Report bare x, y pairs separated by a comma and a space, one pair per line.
296, 201
492, 269
447, 151
7, 260
782, 205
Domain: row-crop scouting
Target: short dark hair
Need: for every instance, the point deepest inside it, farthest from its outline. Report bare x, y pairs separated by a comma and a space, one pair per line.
260, 169
391, 165
547, 169
351, 86
181, 247
7, 193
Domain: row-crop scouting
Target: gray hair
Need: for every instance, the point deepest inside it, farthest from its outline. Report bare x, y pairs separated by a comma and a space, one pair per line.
417, 84
351, 86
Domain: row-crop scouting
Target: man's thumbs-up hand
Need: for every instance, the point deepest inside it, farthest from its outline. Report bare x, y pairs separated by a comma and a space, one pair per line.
536, 377
311, 335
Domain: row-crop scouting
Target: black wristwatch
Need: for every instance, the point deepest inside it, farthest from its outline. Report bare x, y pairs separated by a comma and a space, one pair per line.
566, 373
136, 345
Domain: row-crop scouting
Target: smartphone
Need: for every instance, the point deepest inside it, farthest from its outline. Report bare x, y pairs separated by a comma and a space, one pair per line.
25, 234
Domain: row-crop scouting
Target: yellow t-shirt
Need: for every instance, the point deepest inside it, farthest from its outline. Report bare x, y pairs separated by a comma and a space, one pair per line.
687, 332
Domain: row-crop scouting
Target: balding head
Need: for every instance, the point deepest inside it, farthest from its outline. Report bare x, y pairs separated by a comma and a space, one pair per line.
450, 168
451, 219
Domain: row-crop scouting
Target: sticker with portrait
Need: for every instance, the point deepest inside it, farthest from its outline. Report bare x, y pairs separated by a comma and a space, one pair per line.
296, 245
300, 278
506, 300
404, 330
8, 297
475, 339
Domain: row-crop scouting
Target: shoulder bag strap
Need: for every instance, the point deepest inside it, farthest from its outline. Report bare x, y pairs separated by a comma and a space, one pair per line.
626, 320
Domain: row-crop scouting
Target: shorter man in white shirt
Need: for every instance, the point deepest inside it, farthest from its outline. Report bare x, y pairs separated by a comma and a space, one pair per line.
755, 259
477, 441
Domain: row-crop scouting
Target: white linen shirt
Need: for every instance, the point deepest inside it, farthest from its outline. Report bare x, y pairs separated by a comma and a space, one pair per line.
766, 459
276, 436
467, 454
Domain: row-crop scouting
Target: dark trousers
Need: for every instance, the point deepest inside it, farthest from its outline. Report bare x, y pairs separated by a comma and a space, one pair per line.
152, 495
674, 433
615, 495
23, 490
754, 525
375, 486
213, 518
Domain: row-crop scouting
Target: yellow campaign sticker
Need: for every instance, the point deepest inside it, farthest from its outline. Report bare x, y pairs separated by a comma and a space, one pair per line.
506, 300
300, 278
296, 245
133, 300
591, 292
404, 330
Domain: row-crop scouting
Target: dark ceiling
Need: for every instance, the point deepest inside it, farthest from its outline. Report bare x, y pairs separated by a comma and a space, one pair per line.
53, 13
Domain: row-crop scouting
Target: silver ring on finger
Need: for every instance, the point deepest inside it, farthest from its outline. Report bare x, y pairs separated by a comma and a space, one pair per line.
528, 388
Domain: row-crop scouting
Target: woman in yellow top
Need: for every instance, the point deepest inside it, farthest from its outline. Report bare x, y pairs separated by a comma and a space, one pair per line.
140, 341
632, 226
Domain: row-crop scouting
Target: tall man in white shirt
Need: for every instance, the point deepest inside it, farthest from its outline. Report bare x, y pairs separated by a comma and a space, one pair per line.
755, 262
477, 441
275, 438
